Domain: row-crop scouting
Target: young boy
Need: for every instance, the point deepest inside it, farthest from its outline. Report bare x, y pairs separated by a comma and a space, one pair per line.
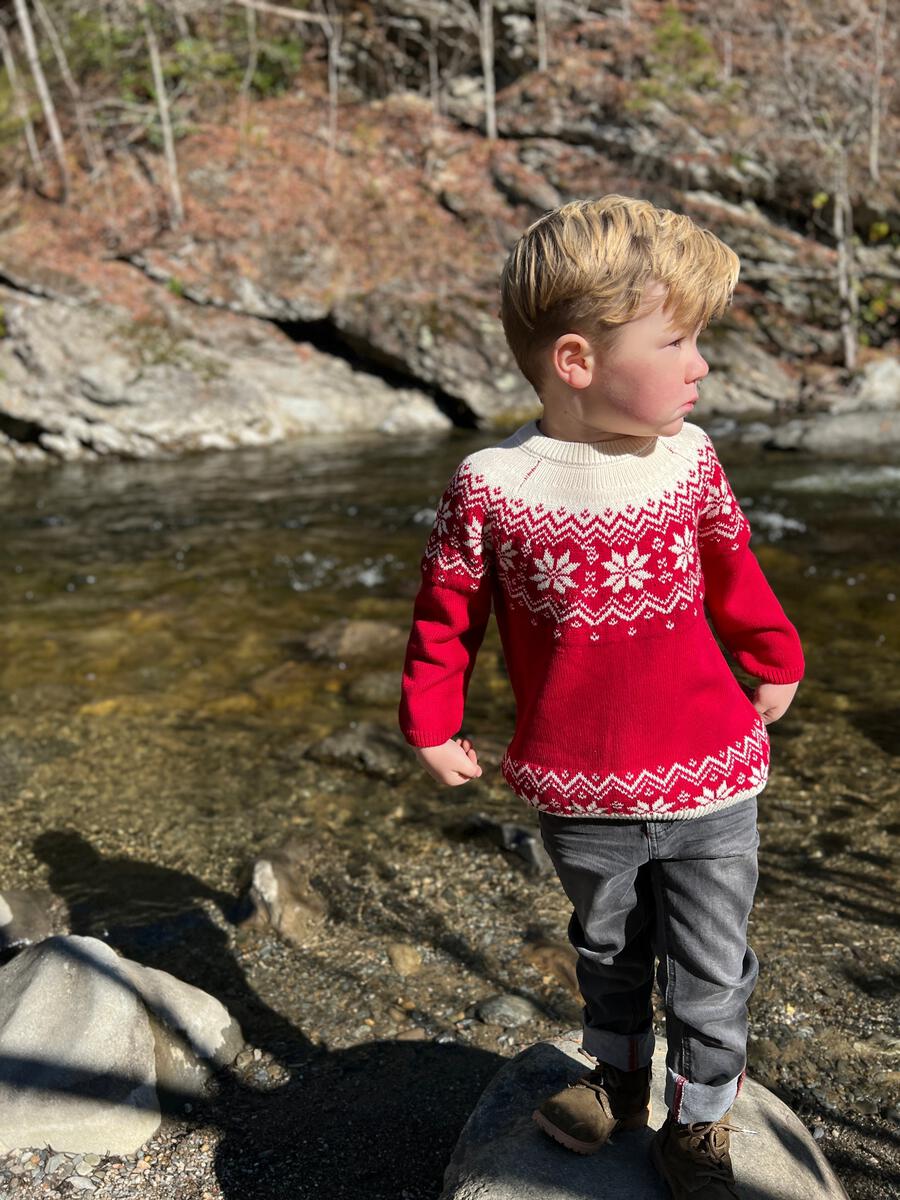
598, 534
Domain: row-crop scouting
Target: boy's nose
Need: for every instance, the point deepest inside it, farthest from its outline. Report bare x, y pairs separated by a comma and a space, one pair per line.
699, 370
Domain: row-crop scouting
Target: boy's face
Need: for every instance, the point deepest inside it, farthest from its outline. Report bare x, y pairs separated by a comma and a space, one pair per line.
647, 383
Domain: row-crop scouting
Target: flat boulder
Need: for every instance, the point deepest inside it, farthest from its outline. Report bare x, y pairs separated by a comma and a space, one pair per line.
501, 1153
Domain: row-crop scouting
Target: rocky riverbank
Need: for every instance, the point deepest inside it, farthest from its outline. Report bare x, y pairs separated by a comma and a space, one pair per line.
320, 304
371, 1040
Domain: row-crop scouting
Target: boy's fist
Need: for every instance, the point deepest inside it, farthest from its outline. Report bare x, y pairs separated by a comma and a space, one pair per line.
772, 700
453, 763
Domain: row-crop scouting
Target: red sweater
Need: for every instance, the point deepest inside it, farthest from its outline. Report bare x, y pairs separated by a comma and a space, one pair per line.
598, 558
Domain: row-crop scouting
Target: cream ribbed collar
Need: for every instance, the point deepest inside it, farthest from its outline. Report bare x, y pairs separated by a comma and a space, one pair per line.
615, 452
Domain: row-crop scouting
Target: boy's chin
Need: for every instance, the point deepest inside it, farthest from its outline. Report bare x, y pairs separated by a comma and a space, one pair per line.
674, 426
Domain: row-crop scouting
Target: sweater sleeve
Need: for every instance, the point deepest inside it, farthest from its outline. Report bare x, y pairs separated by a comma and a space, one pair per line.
450, 614
743, 608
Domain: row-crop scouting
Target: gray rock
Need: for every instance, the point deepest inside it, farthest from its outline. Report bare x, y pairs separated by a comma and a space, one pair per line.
87, 382
90, 1041
24, 918
510, 836
365, 746
280, 895
864, 417
508, 1011
502, 1155
840, 435
876, 388
350, 640
375, 687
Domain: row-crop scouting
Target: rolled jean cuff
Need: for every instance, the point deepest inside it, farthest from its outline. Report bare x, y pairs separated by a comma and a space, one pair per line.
625, 1051
689, 1102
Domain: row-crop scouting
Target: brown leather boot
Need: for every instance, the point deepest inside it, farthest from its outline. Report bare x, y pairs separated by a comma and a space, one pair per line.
695, 1159
587, 1112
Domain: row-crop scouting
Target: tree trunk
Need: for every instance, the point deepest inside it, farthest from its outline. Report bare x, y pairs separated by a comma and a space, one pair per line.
540, 24
37, 71
333, 33
875, 103
176, 215
486, 40
247, 81
95, 157
21, 103
434, 77
846, 274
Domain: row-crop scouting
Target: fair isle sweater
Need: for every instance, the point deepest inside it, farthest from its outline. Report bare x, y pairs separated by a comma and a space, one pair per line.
598, 559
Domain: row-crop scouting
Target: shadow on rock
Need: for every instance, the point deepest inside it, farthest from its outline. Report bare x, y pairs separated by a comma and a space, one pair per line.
156, 916
378, 1120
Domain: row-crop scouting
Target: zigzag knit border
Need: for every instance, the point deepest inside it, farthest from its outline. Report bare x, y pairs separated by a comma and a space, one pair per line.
737, 772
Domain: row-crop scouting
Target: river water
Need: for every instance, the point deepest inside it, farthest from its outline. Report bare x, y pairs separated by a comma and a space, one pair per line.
157, 589
159, 697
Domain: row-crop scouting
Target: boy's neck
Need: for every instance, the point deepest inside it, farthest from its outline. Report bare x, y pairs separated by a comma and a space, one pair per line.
551, 428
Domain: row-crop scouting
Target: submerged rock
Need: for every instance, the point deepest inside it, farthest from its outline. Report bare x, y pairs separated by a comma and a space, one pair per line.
355, 640
502, 1155
365, 746
94, 1046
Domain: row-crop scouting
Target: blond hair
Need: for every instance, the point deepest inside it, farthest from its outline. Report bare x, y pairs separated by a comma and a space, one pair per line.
585, 268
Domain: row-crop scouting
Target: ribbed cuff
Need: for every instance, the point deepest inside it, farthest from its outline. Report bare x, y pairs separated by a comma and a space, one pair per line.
423, 738
784, 675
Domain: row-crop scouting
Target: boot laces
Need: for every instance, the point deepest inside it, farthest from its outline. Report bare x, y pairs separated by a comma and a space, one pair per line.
707, 1142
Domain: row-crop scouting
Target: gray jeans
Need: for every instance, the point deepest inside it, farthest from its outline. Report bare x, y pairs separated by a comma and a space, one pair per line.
680, 891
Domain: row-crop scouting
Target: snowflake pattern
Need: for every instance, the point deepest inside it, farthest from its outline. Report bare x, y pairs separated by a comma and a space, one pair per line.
683, 549
442, 518
505, 555
626, 570
474, 536
556, 573
722, 792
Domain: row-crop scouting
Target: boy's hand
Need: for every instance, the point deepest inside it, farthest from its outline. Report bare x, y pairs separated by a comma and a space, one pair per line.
772, 700
453, 763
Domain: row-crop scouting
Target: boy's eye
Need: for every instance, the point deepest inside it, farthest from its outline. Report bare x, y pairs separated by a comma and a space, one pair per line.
677, 342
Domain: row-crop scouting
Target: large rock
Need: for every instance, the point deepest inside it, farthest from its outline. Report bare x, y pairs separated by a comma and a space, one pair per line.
502, 1155
91, 1044
864, 417
85, 382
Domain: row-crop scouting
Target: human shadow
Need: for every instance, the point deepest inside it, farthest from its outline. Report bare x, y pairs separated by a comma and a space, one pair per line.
155, 915
378, 1120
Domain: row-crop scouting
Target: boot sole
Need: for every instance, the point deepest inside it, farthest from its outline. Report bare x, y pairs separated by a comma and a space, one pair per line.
639, 1121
